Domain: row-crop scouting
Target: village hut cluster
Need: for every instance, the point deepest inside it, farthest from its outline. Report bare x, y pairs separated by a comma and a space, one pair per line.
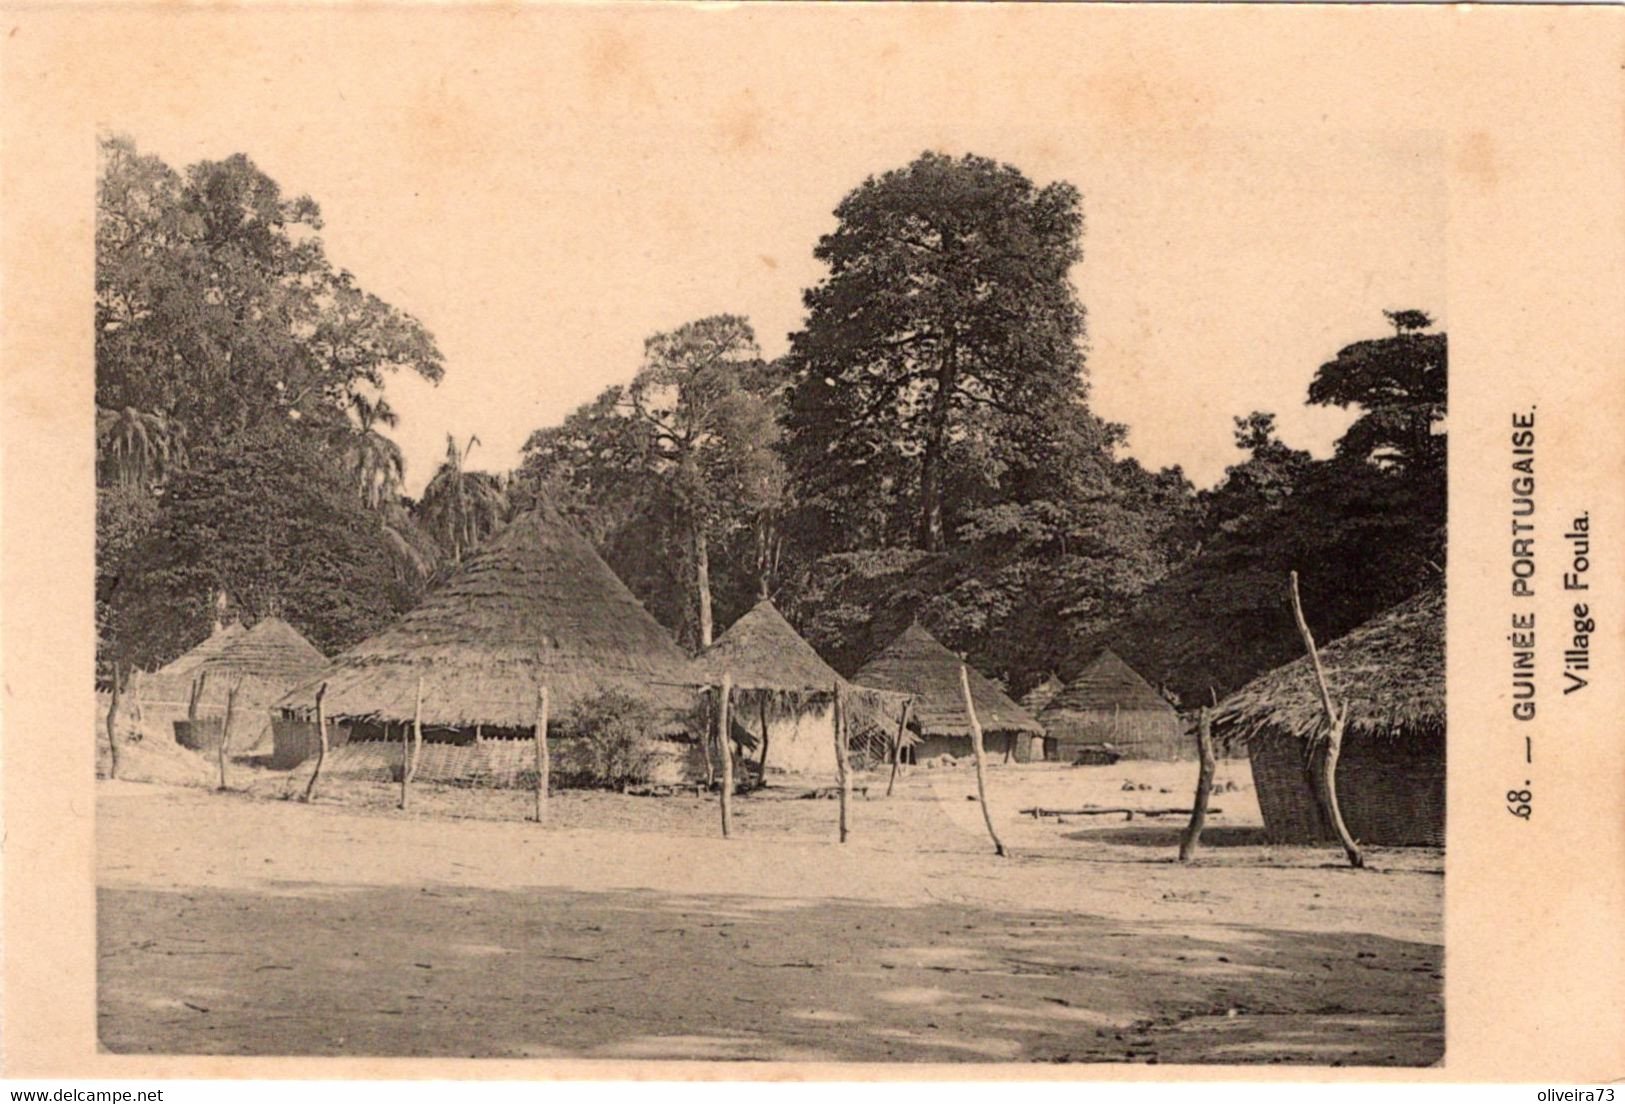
495, 678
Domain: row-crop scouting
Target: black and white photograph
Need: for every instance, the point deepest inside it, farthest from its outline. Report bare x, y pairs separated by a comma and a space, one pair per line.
616, 544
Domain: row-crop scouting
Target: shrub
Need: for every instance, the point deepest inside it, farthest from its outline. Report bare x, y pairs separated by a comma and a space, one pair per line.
614, 745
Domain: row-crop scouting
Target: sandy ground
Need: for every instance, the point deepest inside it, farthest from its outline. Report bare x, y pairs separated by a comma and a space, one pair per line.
238, 923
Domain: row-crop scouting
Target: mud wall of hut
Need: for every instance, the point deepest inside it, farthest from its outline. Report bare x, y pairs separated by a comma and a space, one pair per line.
1391, 792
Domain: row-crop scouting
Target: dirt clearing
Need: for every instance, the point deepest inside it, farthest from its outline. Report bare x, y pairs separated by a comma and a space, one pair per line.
235, 925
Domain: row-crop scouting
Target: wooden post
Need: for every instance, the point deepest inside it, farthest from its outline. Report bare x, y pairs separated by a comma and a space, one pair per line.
1325, 745
197, 695
417, 730
112, 729
724, 694
761, 708
981, 760
843, 770
544, 766
321, 753
897, 745
1204, 785
225, 729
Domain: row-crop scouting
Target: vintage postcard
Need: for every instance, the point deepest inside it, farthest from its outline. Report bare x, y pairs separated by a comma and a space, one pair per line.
817, 541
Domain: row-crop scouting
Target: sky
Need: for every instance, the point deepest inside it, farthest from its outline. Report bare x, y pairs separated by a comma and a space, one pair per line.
546, 190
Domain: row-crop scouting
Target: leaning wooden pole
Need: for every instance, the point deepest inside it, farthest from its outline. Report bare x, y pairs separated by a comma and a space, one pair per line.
1325, 746
1204, 785
981, 759
897, 746
321, 751
843, 769
225, 730
761, 770
544, 764
724, 694
112, 725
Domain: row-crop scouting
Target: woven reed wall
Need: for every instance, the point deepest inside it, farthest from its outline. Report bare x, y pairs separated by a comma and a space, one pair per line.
1134, 734
1391, 793
486, 761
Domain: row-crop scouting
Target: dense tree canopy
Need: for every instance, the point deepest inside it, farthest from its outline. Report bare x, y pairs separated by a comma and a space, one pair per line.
263, 518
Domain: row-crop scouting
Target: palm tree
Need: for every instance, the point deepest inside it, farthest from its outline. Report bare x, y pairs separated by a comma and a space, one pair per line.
135, 447
460, 508
375, 460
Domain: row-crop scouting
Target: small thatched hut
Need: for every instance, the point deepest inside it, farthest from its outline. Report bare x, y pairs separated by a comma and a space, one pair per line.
262, 664
787, 687
1034, 701
782, 684
186, 664
1109, 705
917, 664
534, 605
1391, 772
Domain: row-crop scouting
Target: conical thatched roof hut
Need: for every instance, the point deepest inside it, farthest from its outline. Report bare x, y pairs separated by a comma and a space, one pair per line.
762, 651
262, 664
1110, 705
533, 605
185, 664
1034, 700
785, 688
1390, 777
917, 664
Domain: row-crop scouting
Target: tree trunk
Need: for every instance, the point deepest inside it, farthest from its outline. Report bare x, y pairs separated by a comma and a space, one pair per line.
225, 730
761, 708
897, 746
936, 443
981, 760
112, 725
1204, 785
702, 581
1323, 768
321, 752
843, 770
544, 765
724, 693
1325, 746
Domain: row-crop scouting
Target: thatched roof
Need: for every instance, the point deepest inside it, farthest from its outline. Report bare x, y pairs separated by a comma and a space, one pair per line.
534, 604
916, 663
761, 651
187, 663
272, 649
1034, 700
1106, 685
1390, 671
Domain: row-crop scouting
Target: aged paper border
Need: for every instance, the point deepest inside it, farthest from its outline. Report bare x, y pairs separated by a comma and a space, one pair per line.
1532, 102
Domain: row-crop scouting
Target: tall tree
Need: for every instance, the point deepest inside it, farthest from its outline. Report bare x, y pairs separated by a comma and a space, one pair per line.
674, 465
947, 323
